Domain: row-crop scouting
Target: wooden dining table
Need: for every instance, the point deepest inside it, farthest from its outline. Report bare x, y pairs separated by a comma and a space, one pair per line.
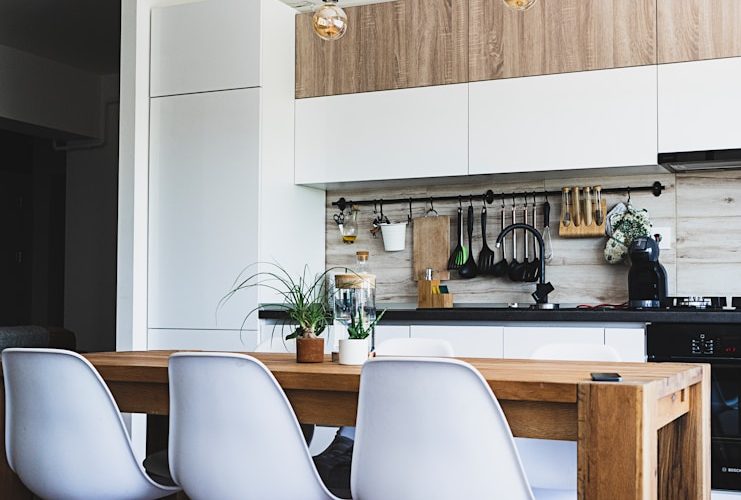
646, 437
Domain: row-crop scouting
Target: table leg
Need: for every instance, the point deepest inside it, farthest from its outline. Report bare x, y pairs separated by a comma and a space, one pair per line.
617, 448
684, 448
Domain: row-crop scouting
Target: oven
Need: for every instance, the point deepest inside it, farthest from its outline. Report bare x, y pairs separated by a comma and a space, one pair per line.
720, 346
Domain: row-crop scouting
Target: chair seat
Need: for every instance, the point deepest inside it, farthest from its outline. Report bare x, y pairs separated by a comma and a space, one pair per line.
548, 494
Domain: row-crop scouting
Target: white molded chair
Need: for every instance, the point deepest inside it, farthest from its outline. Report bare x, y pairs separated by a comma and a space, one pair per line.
64, 435
233, 433
434, 348
553, 464
432, 429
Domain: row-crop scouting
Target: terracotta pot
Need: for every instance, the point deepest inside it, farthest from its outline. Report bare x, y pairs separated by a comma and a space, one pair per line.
310, 350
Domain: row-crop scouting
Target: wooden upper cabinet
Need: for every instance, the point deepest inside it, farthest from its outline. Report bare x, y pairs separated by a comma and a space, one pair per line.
691, 30
401, 44
560, 36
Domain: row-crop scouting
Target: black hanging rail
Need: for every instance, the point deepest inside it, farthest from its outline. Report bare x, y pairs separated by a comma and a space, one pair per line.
489, 196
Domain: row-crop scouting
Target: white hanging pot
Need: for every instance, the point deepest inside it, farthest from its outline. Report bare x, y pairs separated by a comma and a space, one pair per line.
394, 236
354, 351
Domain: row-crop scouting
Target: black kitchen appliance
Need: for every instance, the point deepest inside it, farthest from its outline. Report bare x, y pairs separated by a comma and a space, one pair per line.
647, 277
720, 346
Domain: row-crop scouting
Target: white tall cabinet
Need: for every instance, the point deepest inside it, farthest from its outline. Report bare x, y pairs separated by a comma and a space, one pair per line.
221, 164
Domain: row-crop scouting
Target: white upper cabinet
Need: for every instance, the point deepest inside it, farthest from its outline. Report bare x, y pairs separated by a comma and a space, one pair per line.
203, 206
700, 105
590, 119
395, 134
204, 46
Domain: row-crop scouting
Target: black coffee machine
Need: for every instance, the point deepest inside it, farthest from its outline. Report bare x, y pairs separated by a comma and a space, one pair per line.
647, 277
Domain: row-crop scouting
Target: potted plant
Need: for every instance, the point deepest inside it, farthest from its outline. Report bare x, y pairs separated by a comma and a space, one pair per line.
354, 349
304, 302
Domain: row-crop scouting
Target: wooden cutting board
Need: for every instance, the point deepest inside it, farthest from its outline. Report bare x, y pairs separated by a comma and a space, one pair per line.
431, 246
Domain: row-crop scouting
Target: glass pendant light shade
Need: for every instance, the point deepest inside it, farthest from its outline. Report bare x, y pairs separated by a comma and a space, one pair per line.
521, 5
329, 21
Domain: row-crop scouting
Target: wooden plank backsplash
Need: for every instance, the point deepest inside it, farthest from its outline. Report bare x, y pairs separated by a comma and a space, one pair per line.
703, 210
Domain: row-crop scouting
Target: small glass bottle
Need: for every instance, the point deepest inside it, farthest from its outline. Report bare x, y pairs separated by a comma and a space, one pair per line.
349, 229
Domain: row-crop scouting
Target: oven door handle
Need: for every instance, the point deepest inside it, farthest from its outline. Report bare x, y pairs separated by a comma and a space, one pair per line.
727, 362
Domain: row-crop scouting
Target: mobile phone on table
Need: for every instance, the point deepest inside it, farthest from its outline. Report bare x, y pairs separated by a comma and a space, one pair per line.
607, 377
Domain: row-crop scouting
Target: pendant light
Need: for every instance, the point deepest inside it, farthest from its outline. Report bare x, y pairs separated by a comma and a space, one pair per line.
329, 21
521, 5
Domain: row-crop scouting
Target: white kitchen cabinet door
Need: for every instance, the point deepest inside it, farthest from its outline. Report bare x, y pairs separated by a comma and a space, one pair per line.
388, 332
700, 105
467, 341
202, 340
394, 134
521, 342
630, 343
203, 208
589, 119
203, 46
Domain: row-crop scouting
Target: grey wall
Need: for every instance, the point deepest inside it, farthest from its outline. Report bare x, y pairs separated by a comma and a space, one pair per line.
703, 210
92, 208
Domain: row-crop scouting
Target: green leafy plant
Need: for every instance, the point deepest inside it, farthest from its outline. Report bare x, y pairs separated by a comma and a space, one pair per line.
357, 329
304, 298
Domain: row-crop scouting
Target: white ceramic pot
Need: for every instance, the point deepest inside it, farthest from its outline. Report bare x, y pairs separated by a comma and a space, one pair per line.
354, 351
394, 236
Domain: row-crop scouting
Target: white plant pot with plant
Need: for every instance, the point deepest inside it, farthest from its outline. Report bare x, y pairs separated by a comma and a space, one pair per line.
354, 349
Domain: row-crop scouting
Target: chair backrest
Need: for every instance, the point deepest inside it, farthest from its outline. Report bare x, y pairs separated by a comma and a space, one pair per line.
64, 435
276, 343
434, 348
233, 433
430, 428
576, 352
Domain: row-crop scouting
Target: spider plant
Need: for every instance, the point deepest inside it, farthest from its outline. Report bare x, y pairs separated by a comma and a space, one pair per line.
304, 298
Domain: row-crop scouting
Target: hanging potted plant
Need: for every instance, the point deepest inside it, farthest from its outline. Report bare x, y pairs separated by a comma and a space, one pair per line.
304, 302
354, 349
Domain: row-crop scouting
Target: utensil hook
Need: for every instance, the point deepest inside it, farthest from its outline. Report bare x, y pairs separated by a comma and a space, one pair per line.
460, 204
628, 195
409, 217
432, 208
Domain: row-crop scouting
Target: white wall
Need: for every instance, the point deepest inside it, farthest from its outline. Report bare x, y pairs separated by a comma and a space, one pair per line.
91, 233
47, 94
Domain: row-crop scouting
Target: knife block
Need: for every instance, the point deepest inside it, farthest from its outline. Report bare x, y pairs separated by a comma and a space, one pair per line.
428, 299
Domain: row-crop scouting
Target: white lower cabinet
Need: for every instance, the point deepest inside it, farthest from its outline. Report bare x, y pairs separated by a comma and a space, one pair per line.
520, 342
202, 340
388, 332
630, 343
467, 341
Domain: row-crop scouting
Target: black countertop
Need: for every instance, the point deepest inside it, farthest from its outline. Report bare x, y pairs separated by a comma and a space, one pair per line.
399, 313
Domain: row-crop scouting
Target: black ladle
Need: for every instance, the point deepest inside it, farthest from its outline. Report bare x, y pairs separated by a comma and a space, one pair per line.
500, 268
469, 269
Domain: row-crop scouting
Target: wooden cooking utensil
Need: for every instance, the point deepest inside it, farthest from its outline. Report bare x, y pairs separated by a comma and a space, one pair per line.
588, 208
431, 246
576, 204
